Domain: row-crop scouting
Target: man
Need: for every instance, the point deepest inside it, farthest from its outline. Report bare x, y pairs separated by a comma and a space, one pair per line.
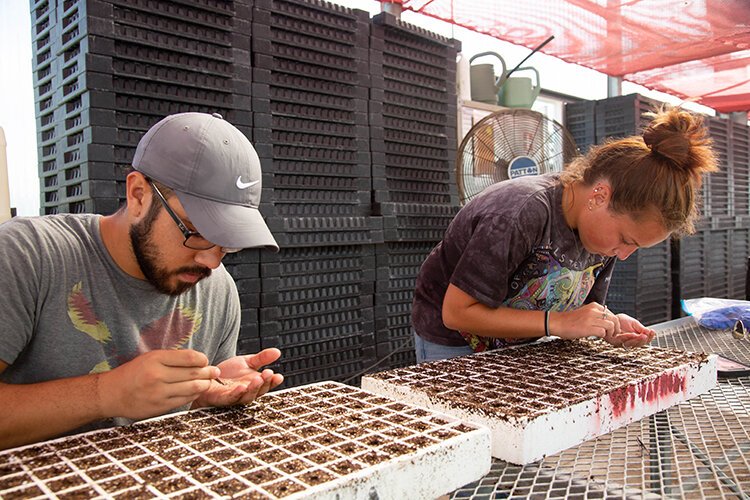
111, 319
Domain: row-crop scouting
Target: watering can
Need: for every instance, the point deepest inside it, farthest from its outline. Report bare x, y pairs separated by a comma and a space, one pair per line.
512, 92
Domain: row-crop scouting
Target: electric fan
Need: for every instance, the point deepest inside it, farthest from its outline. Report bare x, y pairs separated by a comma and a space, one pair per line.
507, 144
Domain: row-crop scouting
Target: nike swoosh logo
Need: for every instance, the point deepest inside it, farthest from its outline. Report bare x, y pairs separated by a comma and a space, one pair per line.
245, 185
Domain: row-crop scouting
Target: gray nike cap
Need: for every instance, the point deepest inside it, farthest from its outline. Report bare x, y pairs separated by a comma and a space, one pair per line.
215, 173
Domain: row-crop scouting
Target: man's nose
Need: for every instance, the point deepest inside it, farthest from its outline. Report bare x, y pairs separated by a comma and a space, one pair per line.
210, 258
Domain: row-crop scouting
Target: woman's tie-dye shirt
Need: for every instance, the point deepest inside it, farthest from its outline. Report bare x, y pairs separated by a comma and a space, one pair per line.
509, 247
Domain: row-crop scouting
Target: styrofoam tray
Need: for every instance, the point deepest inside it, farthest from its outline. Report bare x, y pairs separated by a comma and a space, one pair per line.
325, 440
542, 398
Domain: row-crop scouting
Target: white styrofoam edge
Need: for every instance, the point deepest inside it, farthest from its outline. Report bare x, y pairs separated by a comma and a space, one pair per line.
523, 441
427, 473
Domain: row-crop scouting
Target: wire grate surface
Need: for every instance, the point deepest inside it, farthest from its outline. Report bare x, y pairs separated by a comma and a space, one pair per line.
697, 449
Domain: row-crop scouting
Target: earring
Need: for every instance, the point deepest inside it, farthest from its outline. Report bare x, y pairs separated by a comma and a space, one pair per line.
591, 206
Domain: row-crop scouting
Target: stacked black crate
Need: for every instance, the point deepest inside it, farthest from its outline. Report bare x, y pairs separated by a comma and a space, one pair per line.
713, 262
719, 211
740, 160
244, 267
413, 140
641, 285
580, 120
74, 103
109, 69
310, 84
173, 58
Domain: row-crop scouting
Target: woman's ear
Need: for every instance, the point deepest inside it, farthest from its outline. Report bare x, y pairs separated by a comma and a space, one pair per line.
600, 195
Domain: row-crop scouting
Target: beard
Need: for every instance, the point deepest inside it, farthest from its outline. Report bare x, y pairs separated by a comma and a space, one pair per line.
148, 256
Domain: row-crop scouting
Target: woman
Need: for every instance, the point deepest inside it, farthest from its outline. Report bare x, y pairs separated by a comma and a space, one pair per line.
533, 256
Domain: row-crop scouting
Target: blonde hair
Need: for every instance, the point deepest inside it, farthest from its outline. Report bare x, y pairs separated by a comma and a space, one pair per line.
660, 171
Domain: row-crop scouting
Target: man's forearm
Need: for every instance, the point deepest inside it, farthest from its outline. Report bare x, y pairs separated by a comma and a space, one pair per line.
34, 412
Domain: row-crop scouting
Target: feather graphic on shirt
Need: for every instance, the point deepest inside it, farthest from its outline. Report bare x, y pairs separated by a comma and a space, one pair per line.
101, 367
170, 331
83, 317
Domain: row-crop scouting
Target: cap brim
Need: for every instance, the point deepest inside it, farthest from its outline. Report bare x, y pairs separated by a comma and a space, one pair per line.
227, 225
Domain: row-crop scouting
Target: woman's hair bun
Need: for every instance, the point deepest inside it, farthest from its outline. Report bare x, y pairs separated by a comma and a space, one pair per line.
680, 137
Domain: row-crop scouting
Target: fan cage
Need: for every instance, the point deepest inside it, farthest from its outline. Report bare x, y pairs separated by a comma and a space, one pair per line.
508, 144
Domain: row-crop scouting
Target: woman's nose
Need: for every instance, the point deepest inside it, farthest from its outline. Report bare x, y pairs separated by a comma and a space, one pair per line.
625, 252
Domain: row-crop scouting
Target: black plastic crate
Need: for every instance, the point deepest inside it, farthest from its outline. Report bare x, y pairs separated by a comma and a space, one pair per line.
268, 39
316, 281
403, 333
323, 263
294, 347
322, 326
103, 206
309, 20
401, 111
395, 347
283, 204
622, 115
248, 345
740, 166
315, 308
738, 263
353, 74
219, 68
316, 11
210, 39
402, 358
386, 26
720, 199
349, 373
580, 120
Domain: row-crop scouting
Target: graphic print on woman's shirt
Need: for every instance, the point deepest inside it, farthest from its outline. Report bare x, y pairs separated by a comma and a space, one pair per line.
542, 283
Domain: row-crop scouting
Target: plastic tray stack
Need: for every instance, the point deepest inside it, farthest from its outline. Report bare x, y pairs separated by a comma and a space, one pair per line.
316, 306
412, 111
580, 120
641, 285
244, 267
106, 71
713, 262
739, 158
310, 90
398, 264
718, 204
75, 125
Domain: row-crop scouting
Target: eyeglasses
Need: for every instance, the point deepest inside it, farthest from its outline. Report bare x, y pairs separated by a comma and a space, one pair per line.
193, 239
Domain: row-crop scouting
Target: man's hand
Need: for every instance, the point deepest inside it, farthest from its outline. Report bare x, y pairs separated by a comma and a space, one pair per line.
632, 333
243, 380
155, 383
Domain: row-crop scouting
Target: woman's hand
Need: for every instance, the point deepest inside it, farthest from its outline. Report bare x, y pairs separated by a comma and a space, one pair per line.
242, 380
590, 320
632, 333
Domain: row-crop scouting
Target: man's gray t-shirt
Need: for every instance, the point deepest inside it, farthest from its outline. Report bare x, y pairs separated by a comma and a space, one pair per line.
69, 310
509, 247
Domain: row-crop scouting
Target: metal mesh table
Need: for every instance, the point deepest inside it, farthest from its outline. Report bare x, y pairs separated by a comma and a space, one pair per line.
697, 449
